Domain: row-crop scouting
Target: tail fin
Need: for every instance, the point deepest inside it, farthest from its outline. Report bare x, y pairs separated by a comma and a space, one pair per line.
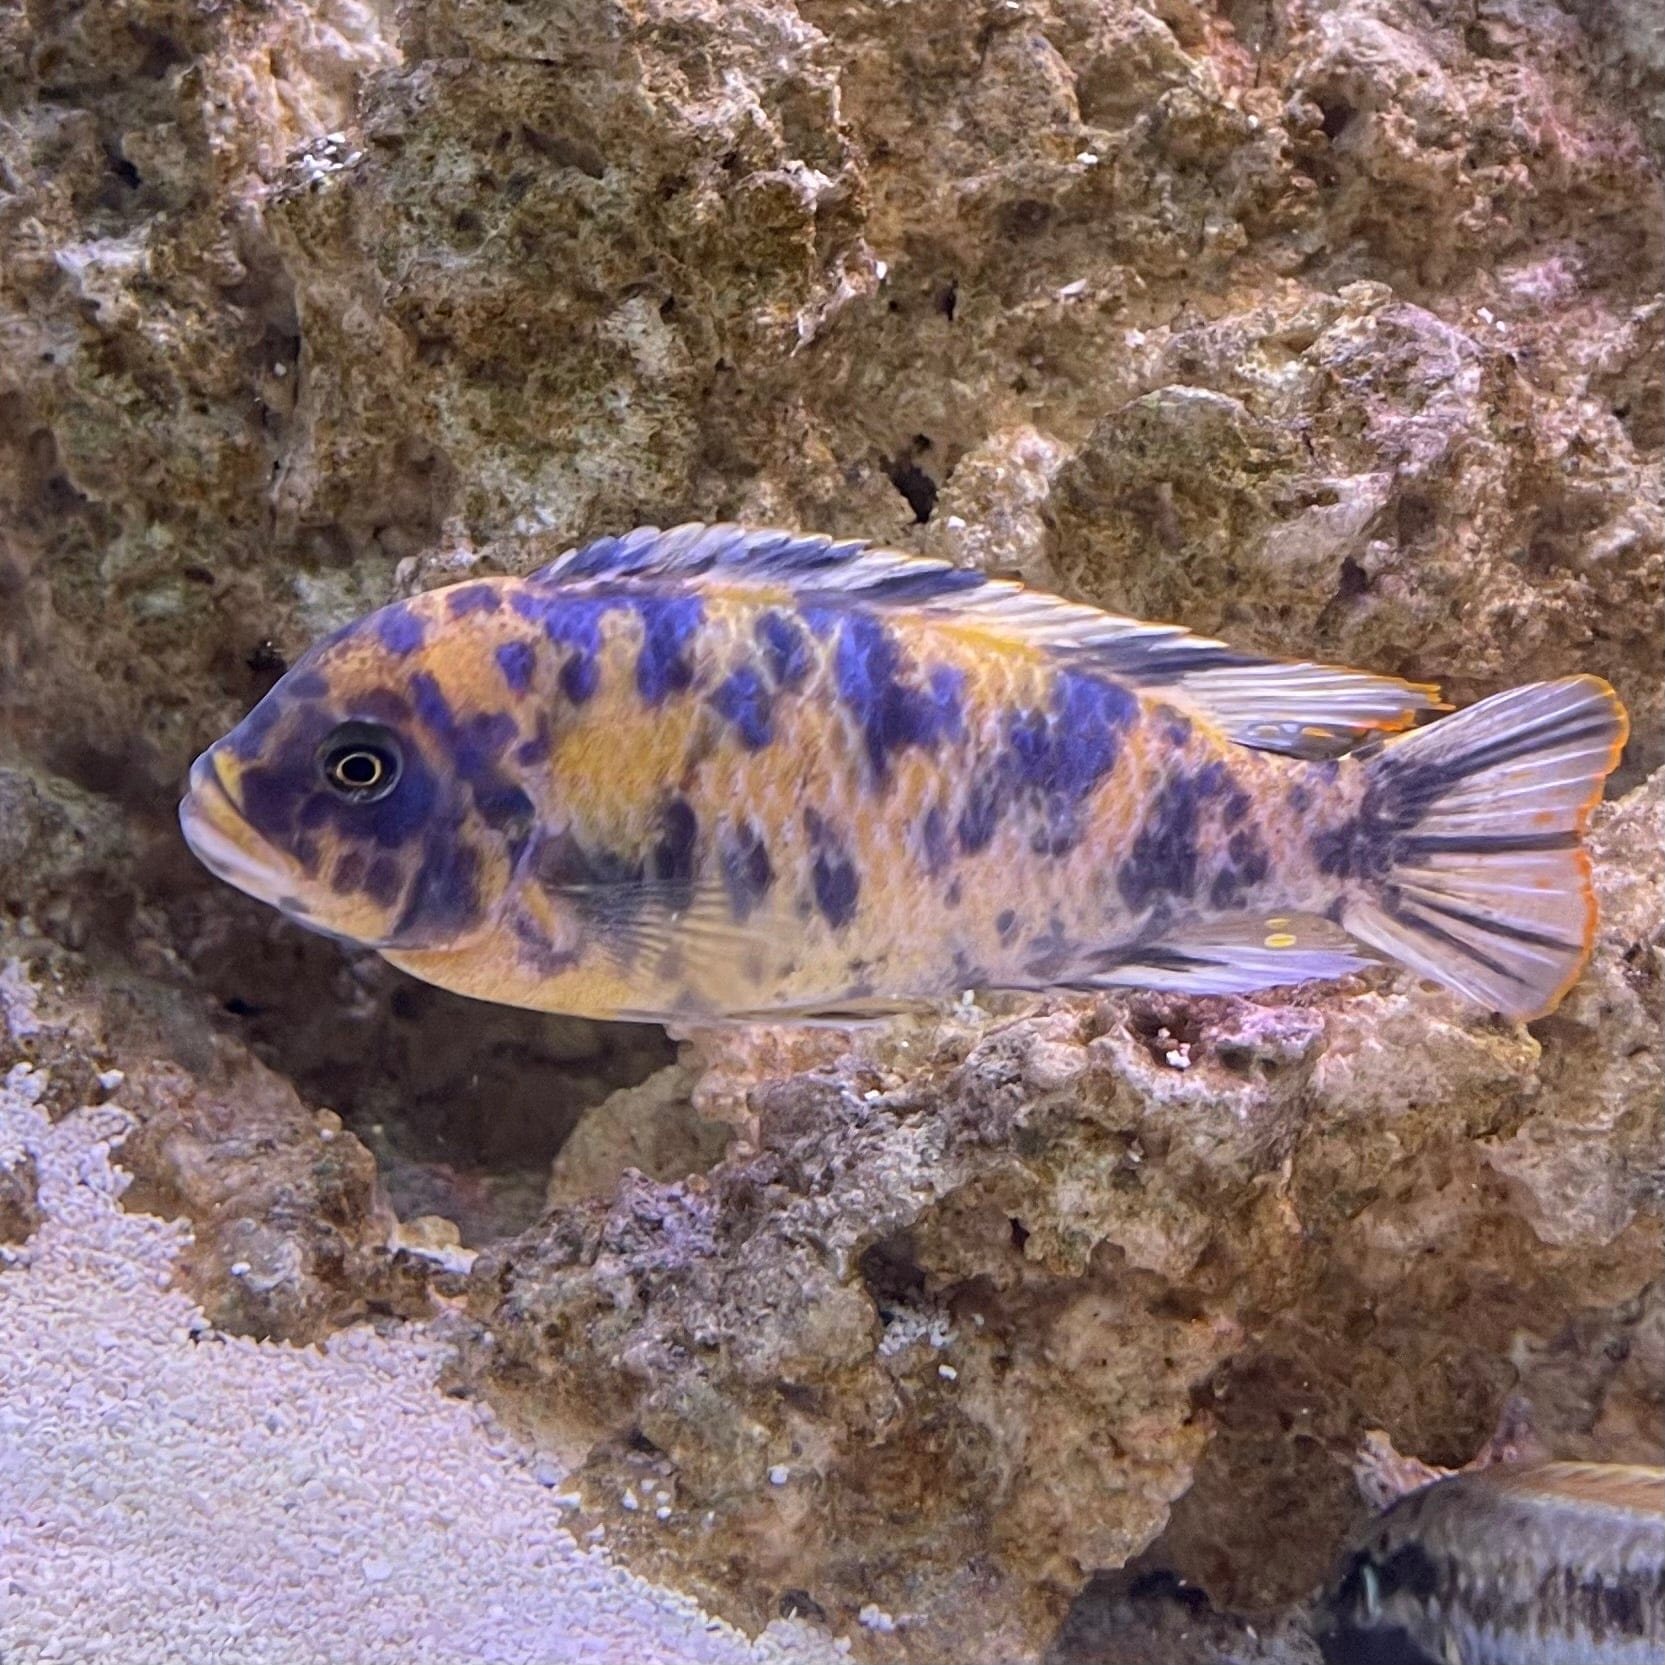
1486, 887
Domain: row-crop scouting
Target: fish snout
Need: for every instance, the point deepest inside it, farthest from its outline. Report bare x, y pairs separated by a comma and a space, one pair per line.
217, 833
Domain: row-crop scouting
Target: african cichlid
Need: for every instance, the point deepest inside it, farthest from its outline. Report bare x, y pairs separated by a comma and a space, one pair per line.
1547, 1564
713, 773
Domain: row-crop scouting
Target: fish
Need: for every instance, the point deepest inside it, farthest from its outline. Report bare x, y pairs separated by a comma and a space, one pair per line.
719, 774
1556, 1563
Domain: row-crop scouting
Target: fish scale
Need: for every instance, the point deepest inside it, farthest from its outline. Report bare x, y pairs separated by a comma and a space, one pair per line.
716, 774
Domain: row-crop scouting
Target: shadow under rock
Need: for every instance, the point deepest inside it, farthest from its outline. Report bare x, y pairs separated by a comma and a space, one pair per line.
464, 1104
1145, 1615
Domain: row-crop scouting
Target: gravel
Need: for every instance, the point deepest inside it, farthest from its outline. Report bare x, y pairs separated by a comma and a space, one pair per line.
171, 1493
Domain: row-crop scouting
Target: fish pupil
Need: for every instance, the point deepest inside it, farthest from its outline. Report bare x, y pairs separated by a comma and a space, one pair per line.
360, 763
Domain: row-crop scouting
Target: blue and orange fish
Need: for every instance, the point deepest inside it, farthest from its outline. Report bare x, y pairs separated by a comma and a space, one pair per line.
714, 773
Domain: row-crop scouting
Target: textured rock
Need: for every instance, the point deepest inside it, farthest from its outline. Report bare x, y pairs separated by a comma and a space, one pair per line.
19, 1197
652, 1129
1334, 328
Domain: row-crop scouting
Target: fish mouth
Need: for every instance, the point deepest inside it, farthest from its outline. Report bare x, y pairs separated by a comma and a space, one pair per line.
220, 837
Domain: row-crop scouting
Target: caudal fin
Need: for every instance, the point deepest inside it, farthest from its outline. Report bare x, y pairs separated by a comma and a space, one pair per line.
1483, 814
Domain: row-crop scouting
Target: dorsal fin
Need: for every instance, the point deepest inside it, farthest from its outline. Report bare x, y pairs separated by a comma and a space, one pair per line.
1303, 709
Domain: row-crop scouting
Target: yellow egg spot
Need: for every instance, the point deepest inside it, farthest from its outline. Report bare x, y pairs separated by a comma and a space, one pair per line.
1280, 939
1278, 923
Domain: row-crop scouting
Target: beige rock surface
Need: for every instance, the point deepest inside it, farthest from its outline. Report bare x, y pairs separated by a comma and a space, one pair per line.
1336, 328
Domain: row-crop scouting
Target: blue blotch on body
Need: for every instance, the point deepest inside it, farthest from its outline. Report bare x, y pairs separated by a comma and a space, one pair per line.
444, 896
893, 714
431, 706
933, 840
833, 875
572, 622
399, 630
1089, 717
669, 624
475, 745
742, 698
506, 809
381, 882
979, 815
786, 650
580, 676
1051, 762
1163, 858
348, 873
479, 742
747, 870
1212, 779
537, 747
837, 887
306, 685
468, 599
517, 662
1005, 923
1051, 952
1066, 751
1247, 864
671, 861
599, 881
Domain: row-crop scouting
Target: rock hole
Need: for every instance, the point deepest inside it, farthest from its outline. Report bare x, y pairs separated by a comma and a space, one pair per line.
948, 299
1352, 581
1182, 1306
916, 486
1337, 116
161, 52
892, 1276
1415, 518
1162, 1030
566, 151
265, 663
799, 1604
1025, 218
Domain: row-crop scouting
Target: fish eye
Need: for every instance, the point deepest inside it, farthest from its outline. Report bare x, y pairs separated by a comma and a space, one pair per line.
360, 762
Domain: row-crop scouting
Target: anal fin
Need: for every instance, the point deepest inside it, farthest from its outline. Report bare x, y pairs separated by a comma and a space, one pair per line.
1231, 957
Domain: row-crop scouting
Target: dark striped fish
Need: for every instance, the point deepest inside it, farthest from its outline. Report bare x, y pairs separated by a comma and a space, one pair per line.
1547, 1564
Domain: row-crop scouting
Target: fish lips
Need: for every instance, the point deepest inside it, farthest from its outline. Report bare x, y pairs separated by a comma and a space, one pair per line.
220, 837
